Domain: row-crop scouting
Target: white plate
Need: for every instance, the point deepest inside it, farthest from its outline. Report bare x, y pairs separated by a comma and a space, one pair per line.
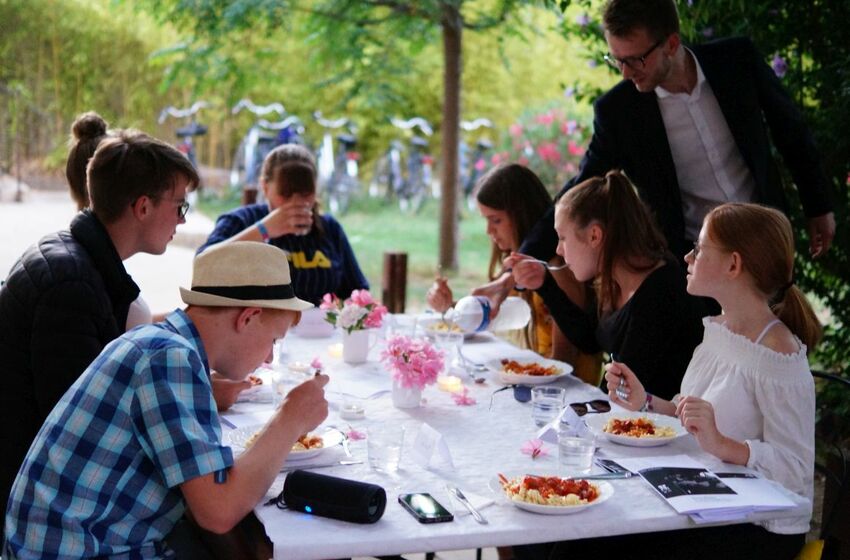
516, 378
428, 325
596, 423
605, 492
239, 436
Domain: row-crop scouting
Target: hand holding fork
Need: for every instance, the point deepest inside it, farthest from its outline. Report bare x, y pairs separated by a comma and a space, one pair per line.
624, 388
526, 275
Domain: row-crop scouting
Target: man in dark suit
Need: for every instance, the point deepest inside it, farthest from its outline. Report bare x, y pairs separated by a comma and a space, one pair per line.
689, 126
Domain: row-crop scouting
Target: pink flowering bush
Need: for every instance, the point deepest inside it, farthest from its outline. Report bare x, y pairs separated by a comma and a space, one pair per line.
413, 362
358, 312
549, 141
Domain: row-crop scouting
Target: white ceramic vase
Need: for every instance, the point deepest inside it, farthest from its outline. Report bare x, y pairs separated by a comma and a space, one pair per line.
356, 346
406, 397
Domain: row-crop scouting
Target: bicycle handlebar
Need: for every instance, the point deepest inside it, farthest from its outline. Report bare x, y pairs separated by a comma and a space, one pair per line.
181, 113
469, 126
259, 110
412, 123
291, 120
337, 123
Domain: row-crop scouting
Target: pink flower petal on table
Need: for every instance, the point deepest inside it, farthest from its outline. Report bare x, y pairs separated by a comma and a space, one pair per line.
534, 447
355, 435
463, 398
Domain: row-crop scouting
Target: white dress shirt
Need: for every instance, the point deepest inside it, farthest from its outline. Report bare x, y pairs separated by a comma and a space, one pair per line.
764, 398
138, 314
709, 166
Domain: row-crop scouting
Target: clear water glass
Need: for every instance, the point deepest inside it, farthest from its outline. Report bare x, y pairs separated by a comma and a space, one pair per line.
383, 447
575, 454
546, 404
450, 343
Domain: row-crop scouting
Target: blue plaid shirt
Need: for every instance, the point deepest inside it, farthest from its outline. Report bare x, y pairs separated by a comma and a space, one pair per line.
102, 477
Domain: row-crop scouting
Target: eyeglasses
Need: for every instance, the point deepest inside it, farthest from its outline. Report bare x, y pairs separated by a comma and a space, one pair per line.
633, 62
598, 405
182, 206
698, 248
183, 209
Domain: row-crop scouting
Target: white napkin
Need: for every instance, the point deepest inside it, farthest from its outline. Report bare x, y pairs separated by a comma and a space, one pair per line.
567, 422
430, 448
478, 501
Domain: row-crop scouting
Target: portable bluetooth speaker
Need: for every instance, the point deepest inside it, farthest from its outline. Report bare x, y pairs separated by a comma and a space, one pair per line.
334, 497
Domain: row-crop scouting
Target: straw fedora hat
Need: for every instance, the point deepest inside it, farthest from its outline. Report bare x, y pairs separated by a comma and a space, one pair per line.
242, 274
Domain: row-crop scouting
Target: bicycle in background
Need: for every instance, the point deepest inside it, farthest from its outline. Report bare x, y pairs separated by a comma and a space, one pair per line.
410, 189
187, 133
337, 171
472, 166
263, 136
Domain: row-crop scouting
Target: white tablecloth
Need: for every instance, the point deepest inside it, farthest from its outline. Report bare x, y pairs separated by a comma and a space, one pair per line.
482, 442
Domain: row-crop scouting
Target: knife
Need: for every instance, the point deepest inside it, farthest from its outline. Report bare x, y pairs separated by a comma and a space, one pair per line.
603, 476
294, 467
455, 491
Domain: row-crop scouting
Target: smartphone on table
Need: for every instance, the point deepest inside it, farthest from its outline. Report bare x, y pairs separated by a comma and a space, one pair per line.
425, 508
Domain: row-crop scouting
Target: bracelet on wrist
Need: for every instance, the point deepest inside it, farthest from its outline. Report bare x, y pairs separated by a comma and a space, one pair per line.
264, 232
647, 404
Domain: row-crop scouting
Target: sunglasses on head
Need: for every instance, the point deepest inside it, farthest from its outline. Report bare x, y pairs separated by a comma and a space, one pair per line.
598, 405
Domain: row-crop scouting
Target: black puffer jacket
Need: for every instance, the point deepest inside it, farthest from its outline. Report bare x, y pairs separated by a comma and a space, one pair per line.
64, 300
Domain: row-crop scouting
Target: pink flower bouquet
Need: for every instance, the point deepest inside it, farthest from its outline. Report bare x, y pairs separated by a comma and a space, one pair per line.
413, 362
358, 312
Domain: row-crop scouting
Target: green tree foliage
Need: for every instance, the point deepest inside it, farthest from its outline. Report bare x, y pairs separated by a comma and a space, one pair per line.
370, 43
62, 58
808, 45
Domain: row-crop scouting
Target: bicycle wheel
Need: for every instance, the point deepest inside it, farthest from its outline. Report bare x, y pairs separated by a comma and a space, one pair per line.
412, 196
381, 183
340, 194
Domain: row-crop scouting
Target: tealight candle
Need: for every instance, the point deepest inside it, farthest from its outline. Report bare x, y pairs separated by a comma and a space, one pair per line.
450, 383
352, 408
335, 350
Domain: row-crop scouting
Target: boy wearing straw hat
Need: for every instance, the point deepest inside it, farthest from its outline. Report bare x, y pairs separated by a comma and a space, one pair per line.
136, 441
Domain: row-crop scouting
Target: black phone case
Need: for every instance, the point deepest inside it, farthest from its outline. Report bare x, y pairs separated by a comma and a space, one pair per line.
421, 519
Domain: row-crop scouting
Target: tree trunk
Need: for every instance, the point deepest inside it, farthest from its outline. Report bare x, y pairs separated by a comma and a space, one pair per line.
452, 59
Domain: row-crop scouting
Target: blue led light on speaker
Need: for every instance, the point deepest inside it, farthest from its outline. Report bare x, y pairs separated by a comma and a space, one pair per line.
308, 509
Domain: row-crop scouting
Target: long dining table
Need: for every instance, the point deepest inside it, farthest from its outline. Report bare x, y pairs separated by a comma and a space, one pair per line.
483, 439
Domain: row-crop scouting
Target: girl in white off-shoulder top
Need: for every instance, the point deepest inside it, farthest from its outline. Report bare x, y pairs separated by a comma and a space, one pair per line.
748, 395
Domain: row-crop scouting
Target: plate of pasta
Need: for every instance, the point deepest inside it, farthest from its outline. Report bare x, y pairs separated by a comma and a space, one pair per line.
638, 429
525, 371
308, 445
550, 495
435, 325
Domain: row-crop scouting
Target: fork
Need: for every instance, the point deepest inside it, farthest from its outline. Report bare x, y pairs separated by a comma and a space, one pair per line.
622, 390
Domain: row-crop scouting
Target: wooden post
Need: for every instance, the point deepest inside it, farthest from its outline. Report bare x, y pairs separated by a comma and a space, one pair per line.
395, 281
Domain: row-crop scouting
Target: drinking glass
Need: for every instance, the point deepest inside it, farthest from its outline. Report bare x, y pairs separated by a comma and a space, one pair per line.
575, 454
383, 447
546, 403
450, 343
